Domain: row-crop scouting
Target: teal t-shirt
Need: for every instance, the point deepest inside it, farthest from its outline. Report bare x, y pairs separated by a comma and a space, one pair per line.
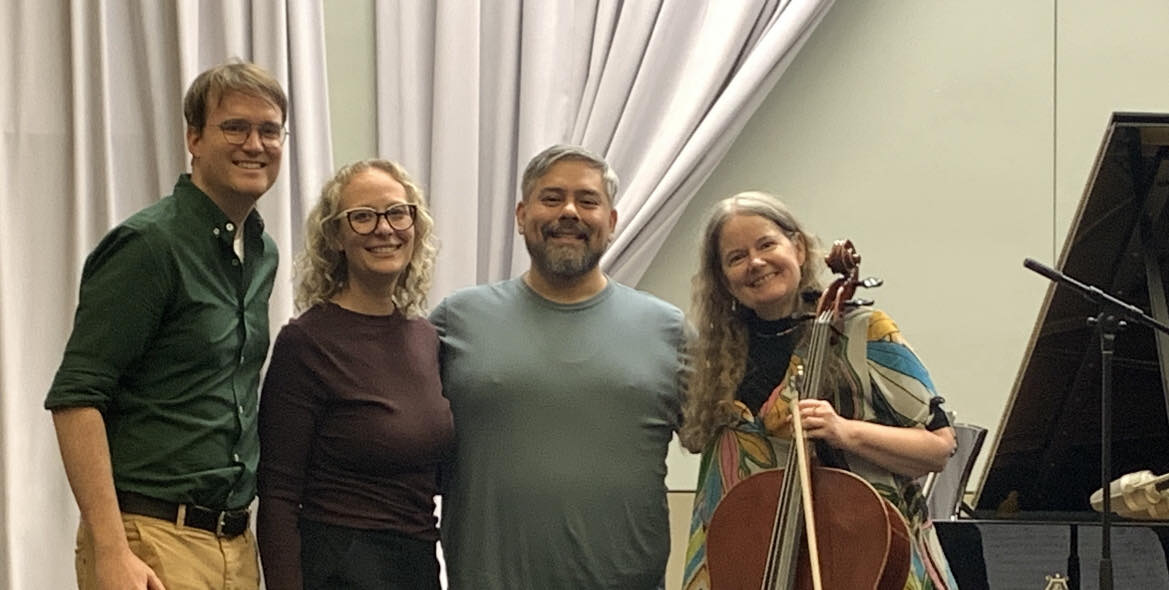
563, 414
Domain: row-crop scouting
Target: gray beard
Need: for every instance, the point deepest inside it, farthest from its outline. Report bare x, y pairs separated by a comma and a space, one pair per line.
563, 263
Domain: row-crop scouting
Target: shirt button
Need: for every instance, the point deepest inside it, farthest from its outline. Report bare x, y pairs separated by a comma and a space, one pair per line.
235, 262
215, 231
230, 226
235, 457
241, 409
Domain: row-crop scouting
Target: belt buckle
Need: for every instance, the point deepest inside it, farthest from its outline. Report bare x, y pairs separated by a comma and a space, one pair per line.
219, 521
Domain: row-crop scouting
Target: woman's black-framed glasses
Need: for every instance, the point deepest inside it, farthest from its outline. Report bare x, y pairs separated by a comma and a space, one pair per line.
363, 220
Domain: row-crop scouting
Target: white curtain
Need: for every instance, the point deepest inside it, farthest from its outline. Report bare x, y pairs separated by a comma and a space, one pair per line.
93, 130
469, 90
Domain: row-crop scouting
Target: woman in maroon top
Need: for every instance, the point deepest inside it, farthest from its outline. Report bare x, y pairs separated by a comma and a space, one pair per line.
353, 423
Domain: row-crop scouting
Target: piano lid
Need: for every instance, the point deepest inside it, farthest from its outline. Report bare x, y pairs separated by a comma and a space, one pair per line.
1047, 448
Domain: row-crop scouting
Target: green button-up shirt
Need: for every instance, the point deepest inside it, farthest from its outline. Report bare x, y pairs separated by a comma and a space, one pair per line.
170, 333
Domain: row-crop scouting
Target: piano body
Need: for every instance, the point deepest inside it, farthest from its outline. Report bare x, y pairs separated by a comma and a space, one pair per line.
1032, 514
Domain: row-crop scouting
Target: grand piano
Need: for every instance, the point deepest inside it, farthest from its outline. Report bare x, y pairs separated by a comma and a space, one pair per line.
1031, 516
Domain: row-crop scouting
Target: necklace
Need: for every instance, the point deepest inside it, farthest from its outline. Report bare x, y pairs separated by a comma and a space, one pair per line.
774, 329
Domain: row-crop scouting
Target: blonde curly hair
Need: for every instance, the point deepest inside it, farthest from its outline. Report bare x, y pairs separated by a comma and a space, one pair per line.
720, 350
321, 269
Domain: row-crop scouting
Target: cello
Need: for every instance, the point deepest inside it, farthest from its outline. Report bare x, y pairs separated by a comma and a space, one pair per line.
855, 539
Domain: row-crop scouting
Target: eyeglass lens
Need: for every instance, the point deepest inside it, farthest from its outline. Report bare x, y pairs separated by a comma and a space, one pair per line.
237, 131
365, 220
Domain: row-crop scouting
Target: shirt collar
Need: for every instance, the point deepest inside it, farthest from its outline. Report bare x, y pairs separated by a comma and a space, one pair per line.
210, 216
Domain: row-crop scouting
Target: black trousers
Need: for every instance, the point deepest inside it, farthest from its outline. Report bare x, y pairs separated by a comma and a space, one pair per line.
342, 558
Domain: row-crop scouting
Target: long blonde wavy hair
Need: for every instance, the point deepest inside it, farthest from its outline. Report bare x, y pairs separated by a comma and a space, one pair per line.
321, 269
720, 350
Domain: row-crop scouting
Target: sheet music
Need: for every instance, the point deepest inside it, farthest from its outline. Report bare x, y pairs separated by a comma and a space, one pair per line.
1020, 556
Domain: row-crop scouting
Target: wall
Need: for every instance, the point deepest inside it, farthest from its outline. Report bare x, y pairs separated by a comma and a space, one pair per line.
349, 49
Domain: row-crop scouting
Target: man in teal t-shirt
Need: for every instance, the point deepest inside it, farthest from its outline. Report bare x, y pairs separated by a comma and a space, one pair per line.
565, 389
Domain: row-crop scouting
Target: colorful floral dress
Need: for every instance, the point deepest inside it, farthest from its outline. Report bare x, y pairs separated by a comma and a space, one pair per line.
896, 392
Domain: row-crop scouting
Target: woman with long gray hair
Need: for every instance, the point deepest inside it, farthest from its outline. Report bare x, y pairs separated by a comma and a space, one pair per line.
878, 417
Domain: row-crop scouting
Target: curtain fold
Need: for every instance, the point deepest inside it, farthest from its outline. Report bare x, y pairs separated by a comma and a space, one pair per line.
679, 170
93, 130
661, 88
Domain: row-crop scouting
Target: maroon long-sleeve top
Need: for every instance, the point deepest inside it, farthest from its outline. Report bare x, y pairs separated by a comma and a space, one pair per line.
353, 426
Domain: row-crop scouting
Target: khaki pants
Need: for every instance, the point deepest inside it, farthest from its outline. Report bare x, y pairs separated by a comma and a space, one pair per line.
183, 558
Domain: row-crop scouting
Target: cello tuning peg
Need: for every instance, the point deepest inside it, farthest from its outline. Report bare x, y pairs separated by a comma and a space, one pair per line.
870, 282
858, 302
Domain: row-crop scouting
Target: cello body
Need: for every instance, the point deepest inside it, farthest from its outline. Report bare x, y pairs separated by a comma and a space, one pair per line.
863, 539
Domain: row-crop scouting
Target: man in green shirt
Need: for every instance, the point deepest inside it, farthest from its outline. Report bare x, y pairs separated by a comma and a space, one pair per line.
155, 400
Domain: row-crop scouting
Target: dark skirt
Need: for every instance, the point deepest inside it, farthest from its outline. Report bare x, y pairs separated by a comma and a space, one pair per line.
342, 558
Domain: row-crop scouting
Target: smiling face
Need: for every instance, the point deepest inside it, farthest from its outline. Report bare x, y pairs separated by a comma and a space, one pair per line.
566, 221
761, 264
382, 255
235, 176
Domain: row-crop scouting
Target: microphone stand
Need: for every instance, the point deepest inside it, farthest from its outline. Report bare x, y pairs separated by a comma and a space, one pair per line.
1113, 316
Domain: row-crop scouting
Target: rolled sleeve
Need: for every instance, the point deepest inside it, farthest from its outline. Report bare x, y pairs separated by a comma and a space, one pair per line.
121, 302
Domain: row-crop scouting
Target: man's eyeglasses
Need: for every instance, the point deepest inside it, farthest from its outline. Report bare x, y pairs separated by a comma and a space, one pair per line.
363, 220
237, 132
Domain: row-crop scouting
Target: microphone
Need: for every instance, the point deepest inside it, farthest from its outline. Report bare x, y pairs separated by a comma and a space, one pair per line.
1124, 311
1088, 292
1043, 269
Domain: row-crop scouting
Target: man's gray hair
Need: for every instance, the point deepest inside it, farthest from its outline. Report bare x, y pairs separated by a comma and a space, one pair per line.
539, 165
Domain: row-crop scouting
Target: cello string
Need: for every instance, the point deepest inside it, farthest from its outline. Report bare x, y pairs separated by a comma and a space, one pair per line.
791, 514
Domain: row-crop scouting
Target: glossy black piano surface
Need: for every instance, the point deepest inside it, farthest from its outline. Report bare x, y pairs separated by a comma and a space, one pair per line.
1008, 554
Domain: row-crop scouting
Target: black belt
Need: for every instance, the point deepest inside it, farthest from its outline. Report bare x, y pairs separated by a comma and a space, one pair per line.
224, 523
